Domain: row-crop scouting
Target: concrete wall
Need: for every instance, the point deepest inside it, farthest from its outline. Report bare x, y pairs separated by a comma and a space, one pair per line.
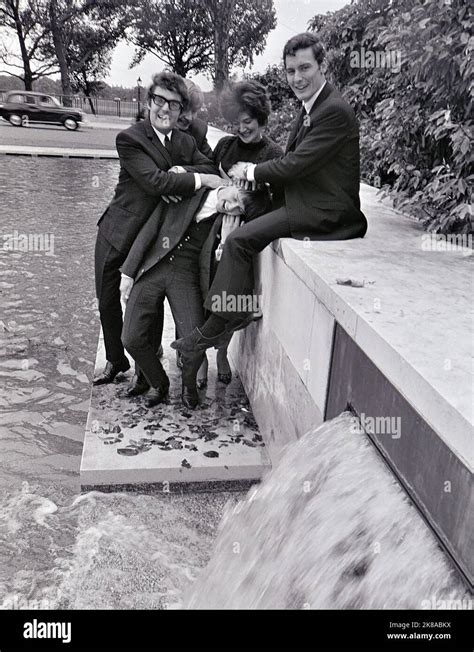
399, 347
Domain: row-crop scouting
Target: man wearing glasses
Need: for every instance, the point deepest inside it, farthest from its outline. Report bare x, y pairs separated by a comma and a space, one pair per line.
151, 153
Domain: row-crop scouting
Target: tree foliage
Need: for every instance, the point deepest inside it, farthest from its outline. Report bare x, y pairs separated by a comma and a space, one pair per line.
208, 36
72, 37
22, 39
416, 121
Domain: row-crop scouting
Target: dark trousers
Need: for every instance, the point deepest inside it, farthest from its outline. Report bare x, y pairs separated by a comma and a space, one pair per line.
234, 277
181, 287
108, 261
107, 284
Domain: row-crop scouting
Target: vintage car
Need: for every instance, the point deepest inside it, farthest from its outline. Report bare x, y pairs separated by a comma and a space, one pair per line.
21, 108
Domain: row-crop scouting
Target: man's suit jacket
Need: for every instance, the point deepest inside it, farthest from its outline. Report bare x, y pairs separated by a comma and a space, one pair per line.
320, 172
198, 130
143, 179
161, 233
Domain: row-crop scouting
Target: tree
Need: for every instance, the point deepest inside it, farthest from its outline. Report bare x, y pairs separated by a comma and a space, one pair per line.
82, 35
20, 23
202, 35
173, 31
221, 13
90, 44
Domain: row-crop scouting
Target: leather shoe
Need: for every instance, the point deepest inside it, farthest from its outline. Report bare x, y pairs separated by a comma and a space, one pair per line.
189, 396
156, 395
111, 370
139, 385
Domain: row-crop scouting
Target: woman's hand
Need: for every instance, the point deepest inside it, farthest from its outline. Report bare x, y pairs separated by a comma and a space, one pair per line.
229, 224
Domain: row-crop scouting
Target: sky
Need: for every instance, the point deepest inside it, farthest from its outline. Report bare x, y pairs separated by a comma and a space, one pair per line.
292, 18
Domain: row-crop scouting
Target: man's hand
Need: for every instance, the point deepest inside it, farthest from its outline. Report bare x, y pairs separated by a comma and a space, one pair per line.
212, 181
229, 224
126, 284
176, 169
238, 174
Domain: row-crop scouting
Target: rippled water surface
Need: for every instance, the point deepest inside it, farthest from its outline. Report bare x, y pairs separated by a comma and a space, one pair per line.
56, 546
48, 315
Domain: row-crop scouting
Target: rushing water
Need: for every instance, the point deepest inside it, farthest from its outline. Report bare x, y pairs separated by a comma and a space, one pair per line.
328, 527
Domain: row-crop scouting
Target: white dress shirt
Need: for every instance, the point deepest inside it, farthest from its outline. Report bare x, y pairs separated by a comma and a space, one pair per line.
209, 206
308, 105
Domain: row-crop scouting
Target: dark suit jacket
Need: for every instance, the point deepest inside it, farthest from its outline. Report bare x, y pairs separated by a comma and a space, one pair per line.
320, 172
198, 130
161, 233
143, 179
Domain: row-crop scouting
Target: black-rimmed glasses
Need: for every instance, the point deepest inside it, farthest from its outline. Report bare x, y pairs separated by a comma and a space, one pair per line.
160, 101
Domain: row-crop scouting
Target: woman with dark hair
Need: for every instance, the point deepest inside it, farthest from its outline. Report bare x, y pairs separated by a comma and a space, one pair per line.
245, 105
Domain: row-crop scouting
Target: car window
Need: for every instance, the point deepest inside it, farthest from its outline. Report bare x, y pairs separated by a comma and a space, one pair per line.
16, 98
47, 101
30, 99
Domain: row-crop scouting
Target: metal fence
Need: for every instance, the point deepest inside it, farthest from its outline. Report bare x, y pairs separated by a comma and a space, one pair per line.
101, 106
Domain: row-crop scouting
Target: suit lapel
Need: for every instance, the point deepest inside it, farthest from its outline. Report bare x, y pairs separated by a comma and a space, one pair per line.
299, 131
150, 132
177, 220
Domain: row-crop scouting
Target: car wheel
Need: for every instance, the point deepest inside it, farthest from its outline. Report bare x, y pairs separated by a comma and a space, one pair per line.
15, 120
70, 124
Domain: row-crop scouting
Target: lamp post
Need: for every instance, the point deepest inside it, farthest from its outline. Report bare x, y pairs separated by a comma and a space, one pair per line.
139, 81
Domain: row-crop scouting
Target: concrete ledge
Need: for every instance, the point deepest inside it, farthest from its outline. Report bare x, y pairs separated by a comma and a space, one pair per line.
413, 317
62, 152
408, 311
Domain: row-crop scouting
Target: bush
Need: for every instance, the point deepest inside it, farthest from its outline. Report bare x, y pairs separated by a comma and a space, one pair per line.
416, 123
274, 80
281, 121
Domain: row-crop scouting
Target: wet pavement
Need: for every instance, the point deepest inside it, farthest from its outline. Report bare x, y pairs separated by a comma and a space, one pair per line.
57, 136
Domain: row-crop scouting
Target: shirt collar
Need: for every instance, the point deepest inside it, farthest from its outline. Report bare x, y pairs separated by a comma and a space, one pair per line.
308, 105
162, 136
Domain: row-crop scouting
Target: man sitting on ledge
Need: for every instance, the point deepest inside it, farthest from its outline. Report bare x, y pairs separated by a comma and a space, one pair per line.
320, 176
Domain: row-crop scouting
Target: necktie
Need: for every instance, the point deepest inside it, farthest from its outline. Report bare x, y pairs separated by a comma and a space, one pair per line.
303, 115
168, 143
299, 124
